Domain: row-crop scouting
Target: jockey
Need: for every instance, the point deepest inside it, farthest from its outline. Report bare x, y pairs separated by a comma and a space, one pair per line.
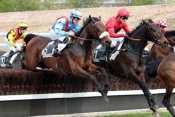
118, 28
115, 24
62, 29
15, 39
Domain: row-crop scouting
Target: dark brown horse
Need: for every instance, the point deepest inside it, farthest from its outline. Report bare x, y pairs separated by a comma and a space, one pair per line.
75, 59
166, 68
129, 64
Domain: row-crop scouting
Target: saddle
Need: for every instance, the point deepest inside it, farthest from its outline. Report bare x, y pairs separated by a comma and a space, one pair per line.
13, 61
104, 52
54, 48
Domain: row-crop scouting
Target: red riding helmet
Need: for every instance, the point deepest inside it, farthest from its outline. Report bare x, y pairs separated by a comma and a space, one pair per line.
123, 12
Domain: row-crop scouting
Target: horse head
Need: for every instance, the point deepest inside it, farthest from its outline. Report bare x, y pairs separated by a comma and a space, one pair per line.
93, 28
147, 30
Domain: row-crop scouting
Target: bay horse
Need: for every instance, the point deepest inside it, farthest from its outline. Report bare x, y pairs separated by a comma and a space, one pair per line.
128, 64
166, 68
75, 59
158, 53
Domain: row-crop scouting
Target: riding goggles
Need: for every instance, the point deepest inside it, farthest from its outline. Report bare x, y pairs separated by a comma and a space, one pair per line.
124, 17
76, 18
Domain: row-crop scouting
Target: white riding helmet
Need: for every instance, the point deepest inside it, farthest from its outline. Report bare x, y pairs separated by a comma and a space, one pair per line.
75, 14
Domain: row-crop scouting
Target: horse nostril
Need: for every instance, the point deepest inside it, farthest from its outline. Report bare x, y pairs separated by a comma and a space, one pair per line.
166, 43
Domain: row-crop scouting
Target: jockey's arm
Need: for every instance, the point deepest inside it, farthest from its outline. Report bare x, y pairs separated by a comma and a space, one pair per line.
76, 28
113, 34
126, 28
59, 28
11, 39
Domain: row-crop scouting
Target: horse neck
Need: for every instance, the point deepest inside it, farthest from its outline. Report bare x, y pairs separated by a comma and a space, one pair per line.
137, 46
87, 45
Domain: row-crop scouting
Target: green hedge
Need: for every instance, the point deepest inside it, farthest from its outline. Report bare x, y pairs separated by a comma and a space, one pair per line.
142, 2
18, 5
26, 5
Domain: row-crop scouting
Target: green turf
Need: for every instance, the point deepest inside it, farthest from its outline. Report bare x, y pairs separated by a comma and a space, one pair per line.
163, 114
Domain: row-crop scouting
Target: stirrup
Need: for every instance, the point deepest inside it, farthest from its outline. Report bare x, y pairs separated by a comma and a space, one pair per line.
55, 52
4, 61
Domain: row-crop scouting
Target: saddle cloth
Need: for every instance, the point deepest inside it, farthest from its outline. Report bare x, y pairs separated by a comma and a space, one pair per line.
102, 54
53, 49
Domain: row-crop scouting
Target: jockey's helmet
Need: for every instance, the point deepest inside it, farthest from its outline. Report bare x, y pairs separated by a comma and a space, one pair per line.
162, 23
22, 25
123, 12
75, 14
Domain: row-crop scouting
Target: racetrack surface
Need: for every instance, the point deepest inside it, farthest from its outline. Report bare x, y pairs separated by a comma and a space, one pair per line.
40, 21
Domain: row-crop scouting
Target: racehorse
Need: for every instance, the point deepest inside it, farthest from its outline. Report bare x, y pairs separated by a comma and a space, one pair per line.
74, 59
166, 68
158, 53
128, 64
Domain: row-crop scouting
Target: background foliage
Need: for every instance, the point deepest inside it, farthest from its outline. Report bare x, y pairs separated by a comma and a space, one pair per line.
25, 5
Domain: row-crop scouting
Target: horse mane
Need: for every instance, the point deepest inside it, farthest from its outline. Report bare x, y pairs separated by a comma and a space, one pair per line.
170, 33
144, 21
29, 37
86, 21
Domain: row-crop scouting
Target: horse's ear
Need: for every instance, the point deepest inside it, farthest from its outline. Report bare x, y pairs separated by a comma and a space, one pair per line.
99, 18
90, 17
84, 20
146, 21
150, 20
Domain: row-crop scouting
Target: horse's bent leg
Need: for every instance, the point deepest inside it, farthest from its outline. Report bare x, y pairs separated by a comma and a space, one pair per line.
77, 70
147, 93
100, 88
105, 79
82, 73
30, 62
166, 101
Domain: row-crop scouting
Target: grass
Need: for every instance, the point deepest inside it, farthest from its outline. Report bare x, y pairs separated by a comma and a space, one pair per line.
163, 114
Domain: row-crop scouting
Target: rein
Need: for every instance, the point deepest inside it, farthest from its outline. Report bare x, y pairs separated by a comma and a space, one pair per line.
133, 39
80, 38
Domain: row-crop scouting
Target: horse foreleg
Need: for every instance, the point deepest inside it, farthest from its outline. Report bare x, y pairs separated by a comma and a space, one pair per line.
80, 72
147, 93
103, 89
31, 60
166, 101
104, 79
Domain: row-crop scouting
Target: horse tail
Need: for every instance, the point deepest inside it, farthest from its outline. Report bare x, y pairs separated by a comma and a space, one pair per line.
29, 37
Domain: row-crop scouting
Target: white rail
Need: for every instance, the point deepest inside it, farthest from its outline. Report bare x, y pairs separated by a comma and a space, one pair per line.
75, 95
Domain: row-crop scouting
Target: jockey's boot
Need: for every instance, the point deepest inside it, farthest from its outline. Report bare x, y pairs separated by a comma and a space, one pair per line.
50, 50
55, 50
5, 59
100, 53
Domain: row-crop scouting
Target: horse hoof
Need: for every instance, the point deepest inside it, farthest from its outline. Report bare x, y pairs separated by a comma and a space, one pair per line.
106, 99
156, 114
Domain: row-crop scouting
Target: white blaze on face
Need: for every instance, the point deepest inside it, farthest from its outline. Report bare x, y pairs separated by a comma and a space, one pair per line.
103, 34
149, 46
